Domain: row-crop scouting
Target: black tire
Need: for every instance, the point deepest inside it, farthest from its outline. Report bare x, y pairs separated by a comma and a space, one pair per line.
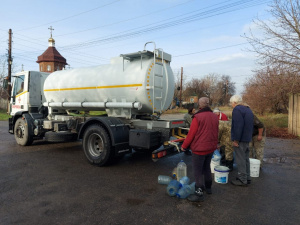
22, 135
51, 136
97, 146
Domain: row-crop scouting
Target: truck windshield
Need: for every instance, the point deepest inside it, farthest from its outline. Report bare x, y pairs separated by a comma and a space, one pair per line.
18, 85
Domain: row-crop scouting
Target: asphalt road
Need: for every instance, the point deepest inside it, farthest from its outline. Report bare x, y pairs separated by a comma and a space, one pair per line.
54, 184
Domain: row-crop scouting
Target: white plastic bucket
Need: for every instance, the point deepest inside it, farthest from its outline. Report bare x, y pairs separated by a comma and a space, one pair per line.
254, 167
213, 164
221, 174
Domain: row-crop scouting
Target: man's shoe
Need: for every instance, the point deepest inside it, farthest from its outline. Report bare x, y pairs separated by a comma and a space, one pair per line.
248, 181
238, 182
197, 196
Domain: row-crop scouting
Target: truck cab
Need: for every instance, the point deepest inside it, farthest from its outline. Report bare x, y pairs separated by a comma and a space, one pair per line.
27, 94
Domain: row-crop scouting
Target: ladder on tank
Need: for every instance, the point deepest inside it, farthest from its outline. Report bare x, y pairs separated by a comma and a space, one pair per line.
158, 75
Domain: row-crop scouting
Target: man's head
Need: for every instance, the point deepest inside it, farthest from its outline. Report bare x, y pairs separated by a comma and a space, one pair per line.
216, 111
191, 110
235, 100
203, 102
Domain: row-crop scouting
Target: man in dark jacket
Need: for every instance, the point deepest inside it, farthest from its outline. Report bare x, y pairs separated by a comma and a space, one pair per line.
241, 135
257, 144
202, 139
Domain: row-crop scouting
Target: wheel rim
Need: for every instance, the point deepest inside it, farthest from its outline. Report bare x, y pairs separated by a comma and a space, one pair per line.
96, 145
20, 131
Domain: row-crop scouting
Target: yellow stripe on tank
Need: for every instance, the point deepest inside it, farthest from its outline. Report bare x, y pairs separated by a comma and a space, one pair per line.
98, 87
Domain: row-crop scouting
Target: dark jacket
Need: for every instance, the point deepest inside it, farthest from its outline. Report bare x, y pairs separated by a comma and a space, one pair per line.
257, 124
242, 124
203, 134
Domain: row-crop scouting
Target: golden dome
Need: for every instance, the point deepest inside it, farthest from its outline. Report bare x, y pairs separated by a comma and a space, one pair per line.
51, 42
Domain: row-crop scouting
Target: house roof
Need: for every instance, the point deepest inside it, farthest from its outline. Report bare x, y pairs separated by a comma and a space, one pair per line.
51, 55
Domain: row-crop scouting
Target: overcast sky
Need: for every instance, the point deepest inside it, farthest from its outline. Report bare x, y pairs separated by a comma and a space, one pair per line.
203, 36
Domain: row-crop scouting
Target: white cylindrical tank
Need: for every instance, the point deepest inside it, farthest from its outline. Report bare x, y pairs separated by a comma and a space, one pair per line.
141, 81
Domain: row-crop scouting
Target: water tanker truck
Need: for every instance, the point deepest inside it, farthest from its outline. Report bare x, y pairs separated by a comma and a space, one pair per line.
134, 89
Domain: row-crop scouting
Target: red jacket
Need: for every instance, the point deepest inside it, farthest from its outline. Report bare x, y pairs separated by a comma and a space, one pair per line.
222, 116
202, 138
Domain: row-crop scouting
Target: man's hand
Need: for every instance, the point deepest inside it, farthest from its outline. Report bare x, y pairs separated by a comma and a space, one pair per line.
235, 143
182, 149
259, 137
260, 132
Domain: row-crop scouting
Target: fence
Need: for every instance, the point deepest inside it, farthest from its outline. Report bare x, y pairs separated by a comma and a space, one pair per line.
3, 103
294, 114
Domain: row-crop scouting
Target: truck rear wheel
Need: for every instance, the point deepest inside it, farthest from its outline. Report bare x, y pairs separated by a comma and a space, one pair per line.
97, 146
22, 135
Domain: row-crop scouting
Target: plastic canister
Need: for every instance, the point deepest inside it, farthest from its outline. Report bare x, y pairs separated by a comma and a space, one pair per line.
184, 180
162, 179
215, 160
174, 173
221, 174
185, 191
216, 156
181, 170
254, 167
173, 187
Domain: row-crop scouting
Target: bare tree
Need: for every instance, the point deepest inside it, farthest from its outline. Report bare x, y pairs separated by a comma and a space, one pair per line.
280, 43
218, 88
267, 91
3, 75
226, 88
278, 50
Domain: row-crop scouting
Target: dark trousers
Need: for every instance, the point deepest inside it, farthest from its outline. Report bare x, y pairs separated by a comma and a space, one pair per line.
202, 172
242, 161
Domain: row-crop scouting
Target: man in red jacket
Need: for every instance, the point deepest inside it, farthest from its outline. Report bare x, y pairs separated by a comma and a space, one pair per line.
202, 139
220, 115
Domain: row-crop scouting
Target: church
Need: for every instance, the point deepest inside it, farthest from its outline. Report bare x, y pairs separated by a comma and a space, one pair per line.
51, 60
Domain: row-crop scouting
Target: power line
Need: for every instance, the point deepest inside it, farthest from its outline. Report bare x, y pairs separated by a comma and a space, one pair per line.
66, 18
199, 16
209, 50
126, 20
129, 35
167, 25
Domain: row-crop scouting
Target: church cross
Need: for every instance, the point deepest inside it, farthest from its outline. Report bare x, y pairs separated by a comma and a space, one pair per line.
51, 29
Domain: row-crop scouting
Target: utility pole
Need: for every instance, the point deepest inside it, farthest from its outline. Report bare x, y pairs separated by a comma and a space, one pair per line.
9, 62
180, 98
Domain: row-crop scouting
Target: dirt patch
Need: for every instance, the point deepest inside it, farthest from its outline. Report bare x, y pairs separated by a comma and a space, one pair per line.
280, 133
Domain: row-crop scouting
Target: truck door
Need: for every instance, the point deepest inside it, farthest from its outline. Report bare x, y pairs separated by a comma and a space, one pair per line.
18, 97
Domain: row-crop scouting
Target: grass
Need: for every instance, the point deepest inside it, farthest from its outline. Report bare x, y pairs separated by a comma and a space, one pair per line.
4, 115
275, 120
270, 120
276, 124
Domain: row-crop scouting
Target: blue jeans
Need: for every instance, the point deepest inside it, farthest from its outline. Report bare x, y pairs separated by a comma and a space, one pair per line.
242, 161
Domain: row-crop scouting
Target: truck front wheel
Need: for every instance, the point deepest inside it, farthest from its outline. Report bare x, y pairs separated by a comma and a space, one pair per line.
97, 146
22, 135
